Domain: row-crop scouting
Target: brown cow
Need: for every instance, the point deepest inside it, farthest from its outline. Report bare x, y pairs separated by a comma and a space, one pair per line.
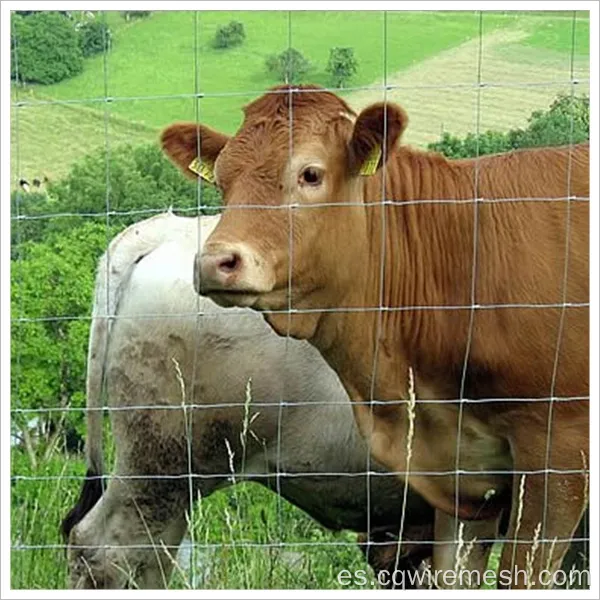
472, 273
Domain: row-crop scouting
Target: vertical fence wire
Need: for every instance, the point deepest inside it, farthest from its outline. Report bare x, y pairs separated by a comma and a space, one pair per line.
473, 289
16, 227
198, 320
381, 282
107, 198
564, 291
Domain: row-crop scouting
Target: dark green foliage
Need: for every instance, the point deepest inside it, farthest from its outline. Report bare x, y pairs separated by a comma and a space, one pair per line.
51, 280
95, 37
230, 35
139, 179
566, 121
342, 65
45, 48
289, 66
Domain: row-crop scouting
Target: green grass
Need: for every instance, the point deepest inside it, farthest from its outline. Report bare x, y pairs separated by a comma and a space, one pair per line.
237, 534
48, 139
556, 35
37, 508
245, 537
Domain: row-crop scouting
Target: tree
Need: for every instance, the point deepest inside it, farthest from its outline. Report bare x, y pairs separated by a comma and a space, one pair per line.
566, 121
95, 37
52, 285
342, 65
289, 66
230, 35
45, 48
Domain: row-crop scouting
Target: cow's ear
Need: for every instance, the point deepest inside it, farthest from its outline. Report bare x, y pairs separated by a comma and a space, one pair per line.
376, 132
182, 142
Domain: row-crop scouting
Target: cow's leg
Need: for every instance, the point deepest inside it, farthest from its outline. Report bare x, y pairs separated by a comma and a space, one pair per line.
129, 539
543, 512
396, 566
460, 554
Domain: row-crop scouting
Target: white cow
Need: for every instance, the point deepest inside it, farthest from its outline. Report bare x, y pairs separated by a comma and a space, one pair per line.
176, 369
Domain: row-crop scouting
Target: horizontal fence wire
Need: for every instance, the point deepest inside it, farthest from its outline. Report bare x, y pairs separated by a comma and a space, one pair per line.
301, 311
283, 473
267, 545
289, 404
364, 88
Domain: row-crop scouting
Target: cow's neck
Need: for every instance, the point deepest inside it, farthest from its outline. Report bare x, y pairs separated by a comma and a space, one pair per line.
427, 259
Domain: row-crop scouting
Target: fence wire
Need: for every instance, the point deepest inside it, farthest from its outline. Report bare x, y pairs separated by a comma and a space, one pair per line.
193, 407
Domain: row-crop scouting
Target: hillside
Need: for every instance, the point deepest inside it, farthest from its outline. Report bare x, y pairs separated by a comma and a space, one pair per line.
157, 65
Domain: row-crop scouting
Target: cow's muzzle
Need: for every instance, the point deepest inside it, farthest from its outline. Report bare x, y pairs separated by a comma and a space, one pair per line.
231, 275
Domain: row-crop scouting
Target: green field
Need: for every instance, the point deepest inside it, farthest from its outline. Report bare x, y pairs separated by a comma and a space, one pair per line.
164, 56
158, 64
558, 36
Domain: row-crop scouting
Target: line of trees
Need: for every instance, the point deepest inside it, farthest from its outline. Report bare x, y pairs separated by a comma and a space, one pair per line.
50, 46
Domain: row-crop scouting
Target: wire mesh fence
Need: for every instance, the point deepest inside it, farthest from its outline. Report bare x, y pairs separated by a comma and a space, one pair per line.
204, 400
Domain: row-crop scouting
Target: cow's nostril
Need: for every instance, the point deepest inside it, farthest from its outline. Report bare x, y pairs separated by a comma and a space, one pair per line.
230, 263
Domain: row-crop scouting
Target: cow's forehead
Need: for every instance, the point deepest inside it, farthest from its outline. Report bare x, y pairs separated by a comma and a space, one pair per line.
300, 103
276, 126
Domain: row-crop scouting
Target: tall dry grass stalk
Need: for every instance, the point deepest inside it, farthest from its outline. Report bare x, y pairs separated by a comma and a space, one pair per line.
463, 552
531, 555
411, 414
518, 521
187, 424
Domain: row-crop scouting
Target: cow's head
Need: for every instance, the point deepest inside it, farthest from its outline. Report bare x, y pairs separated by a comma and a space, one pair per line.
293, 180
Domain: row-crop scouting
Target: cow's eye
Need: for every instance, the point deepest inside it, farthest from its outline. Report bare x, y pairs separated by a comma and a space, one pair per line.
312, 176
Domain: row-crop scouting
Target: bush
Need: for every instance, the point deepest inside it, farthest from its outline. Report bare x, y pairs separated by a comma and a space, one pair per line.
94, 37
45, 48
229, 35
566, 121
289, 66
342, 65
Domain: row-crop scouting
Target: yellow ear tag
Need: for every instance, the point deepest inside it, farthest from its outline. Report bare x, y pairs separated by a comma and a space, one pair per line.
370, 165
203, 169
